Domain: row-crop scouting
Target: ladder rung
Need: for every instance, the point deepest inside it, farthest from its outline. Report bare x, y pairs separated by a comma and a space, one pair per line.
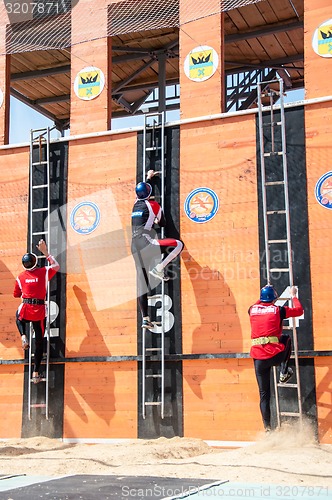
154, 376
277, 241
289, 414
274, 183
152, 403
279, 270
287, 327
278, 212
41, 232
153, 148
287, 385
39, 186
267, 124
274, 153
154, 297
44, 162
38, 405
40, 209
150, 349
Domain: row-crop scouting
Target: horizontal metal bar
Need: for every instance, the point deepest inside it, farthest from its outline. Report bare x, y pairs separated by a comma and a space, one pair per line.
274, 183
287, 385
35, 163
277, 241
41, 232
279, 270
39, 186
152, 403
277, 212
289, 414
40, 209
268, 124
153, 376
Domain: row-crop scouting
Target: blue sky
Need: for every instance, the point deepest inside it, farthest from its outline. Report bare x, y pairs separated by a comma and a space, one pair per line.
23, 119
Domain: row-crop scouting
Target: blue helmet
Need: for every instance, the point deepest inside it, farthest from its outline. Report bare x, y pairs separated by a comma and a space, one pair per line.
143, 190
268, 294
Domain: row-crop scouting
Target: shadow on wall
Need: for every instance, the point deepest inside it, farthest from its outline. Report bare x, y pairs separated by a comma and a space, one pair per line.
219, 329
96, 385
10, 337
324, 422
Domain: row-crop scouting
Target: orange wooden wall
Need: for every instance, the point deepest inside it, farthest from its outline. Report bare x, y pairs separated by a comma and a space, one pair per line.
206, 97
220, 277
90, 115
101, 287
220, 263
318, 129
14, 183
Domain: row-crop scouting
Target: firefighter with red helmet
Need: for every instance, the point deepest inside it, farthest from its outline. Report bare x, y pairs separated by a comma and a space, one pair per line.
269, 346
31, 286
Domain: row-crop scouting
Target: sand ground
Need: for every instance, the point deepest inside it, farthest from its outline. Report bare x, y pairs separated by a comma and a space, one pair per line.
290, 456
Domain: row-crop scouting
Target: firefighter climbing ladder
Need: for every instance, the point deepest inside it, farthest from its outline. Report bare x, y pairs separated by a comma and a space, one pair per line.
39, 213
154, 146
277, 150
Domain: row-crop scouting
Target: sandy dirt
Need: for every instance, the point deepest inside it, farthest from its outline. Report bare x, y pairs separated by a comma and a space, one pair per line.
290, 456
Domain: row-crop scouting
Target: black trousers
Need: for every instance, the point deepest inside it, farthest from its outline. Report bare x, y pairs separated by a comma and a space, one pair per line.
263, 376
39, 328
146, 256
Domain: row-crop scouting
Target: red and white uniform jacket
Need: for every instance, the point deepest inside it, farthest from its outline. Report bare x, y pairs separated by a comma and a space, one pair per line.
32, 284
266, 321
143, 216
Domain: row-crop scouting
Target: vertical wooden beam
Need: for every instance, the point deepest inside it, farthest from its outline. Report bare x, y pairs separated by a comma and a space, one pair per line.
318, 68
4, 84
200, 96
92, 115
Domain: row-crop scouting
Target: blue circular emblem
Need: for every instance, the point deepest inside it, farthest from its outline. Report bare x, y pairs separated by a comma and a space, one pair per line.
85, 217
323, 190
201, 205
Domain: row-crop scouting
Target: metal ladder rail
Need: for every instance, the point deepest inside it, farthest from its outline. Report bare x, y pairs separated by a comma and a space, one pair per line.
286, 213
160, 116
41, 140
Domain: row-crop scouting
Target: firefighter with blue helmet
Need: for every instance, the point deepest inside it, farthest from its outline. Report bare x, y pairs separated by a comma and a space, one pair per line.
269, 345
146, 248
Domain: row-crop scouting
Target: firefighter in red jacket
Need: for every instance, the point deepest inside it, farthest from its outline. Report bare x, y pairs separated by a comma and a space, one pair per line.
31, 285
270, 347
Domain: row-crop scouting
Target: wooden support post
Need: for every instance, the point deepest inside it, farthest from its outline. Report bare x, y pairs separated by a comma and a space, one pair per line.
88, 113
201, 71
4, 85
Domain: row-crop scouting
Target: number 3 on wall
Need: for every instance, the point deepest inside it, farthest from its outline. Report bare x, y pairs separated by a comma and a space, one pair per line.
168, 316
282, 300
